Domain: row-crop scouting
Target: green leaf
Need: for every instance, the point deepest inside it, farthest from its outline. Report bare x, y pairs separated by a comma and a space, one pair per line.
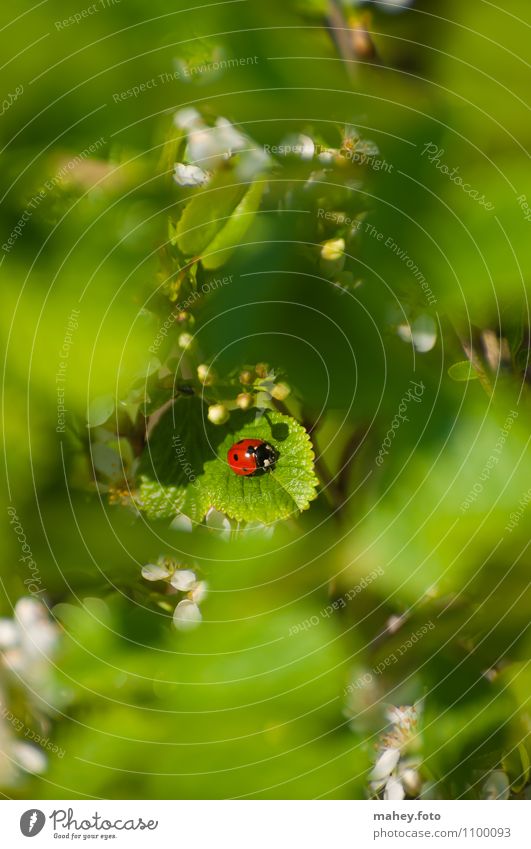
274, 495
157, 501
227, 239
205, 215
100, 409
215, 221
173, 460
180, 444
184, 466
462, 370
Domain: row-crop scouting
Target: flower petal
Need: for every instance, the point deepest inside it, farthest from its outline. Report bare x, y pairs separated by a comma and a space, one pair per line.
393, 790
189, 175
385, 764
198, 592
187, 615
8, 634
183, 579
182, 523
496, 786
154, 572
29, 757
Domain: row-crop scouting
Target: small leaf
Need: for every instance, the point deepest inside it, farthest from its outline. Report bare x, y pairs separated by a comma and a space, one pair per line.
271, 496
108, 461
215, 222
100, 409
205, 215
157, 501
462, 370
227, 239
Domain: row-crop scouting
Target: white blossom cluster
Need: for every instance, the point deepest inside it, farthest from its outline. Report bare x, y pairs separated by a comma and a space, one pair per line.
28, 644
209, 147
187, 614
396, 773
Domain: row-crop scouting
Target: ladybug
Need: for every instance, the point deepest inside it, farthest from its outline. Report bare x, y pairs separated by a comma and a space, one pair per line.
249, 456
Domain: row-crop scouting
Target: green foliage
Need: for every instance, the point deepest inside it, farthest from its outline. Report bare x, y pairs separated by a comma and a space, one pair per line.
297, 293
184, 466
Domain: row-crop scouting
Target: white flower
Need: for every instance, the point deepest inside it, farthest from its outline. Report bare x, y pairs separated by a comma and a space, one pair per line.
385, 764
187, 119
183, 579
8, 634
496, 786
198, 592
218, 522
30, 758
394, 790
182, 523
252, 162
28, 643
187, 615
154, 572
422, 333
299, 145
328, 156
393, 773
411, 781
30, 638
190, 175
214, 144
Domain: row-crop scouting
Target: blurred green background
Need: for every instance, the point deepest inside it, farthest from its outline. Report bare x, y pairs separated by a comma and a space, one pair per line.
242, 706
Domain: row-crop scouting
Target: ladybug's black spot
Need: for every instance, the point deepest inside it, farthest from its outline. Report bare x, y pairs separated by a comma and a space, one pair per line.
235, 457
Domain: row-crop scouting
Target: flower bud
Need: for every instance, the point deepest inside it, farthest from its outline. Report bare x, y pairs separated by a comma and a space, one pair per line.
333, 249
218, 414
205, 374
261, 369
185, 340
280, 391
411, 781
246, 377
244, 400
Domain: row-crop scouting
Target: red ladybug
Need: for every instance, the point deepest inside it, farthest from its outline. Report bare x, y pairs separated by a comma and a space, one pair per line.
251, 455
